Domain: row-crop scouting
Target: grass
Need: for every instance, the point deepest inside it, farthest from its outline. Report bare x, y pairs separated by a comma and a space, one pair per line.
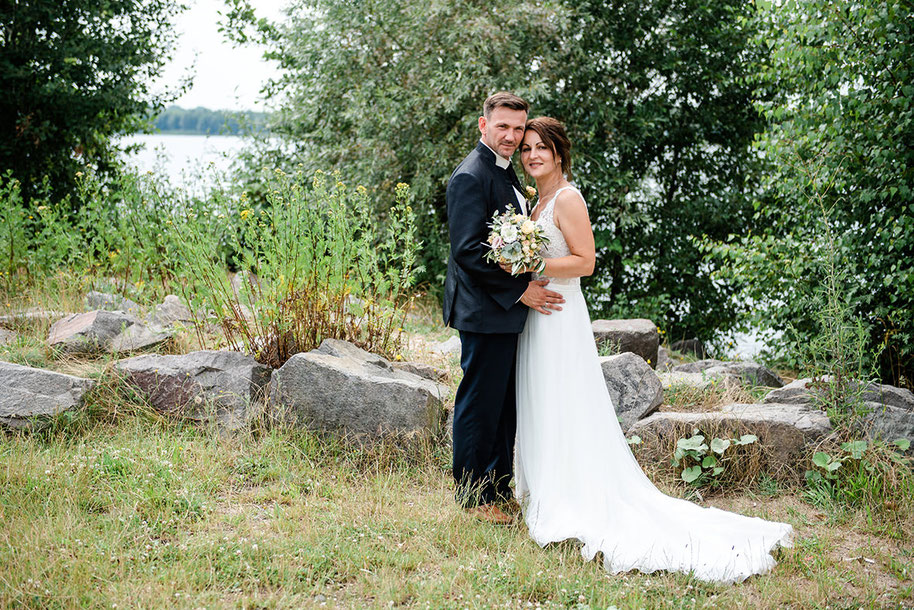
117, 506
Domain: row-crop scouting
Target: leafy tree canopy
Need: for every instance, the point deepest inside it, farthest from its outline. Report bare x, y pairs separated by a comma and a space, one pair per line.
840, 187
73, 74
656, 96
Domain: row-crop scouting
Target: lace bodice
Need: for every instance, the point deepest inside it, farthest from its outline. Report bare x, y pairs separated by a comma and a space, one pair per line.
557, 246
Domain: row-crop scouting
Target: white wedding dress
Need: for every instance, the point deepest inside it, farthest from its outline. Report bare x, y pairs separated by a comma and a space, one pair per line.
576, 477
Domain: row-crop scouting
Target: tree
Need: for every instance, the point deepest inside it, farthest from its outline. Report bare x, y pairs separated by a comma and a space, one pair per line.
72, 75
657, 97
390, 91
839, 198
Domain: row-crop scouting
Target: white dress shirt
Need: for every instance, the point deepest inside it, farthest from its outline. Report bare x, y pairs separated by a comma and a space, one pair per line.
503, 164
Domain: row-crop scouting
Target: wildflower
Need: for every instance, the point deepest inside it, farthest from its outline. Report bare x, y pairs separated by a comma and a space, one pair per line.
79, 174
245, 213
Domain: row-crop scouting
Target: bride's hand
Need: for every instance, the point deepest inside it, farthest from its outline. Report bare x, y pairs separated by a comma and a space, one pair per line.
507, 268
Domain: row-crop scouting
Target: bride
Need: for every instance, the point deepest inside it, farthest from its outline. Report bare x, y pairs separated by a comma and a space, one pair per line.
576, 477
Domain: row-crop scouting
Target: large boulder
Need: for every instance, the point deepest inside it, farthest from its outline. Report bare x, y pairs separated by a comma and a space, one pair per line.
638, 336
750, 373
35, 315
27, 393
422, 370
891, 409
697, 381
200, 385
103, 331
786, 431
633, 387
343, 388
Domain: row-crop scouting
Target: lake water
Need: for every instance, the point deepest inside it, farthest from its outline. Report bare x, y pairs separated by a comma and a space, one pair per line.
184, 159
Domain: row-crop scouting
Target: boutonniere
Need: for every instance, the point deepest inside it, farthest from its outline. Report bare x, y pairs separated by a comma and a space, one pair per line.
530, 193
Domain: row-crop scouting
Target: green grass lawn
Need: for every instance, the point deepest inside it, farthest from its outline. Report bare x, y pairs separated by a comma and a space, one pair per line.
134, 511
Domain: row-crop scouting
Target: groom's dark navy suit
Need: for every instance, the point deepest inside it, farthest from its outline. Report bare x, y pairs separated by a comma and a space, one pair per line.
481, 301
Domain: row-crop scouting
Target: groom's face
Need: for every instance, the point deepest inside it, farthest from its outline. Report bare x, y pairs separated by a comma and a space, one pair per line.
503, 130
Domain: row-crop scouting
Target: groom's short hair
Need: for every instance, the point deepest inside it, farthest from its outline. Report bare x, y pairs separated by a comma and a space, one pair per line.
503, 98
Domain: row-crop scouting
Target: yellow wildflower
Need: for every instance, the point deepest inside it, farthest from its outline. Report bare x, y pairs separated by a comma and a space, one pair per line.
245, 213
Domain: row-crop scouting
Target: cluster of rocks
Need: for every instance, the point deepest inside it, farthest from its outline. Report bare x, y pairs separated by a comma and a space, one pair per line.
341, 387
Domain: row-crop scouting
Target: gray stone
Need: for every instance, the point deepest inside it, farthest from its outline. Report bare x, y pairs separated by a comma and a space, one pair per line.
786, 431
690, 346
638, 336
103, 331
751, 373
112, 302
7, 337
136, 338
199, 385
633, 387
698, 366
90, 332
422, 370
891, 409
698, 381
341, 387
172, 310
449, 347
245, 285
664, 360
27, 393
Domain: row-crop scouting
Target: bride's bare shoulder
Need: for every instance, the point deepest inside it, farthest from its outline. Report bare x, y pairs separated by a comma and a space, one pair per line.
570, 200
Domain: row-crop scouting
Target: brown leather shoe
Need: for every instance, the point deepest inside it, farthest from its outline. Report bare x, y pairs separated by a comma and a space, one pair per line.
490, 513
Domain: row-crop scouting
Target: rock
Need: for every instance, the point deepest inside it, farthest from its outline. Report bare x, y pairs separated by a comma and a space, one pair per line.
638, 336
112, 302
698, 381
341, 387
103, 331
90, 332
170, 311
690, 346
786, 431
422, 370
891, 408
751, 373
199, 385
27, 393
664, 361
450, 347
633, 387
7, 337
698, 366
136, 338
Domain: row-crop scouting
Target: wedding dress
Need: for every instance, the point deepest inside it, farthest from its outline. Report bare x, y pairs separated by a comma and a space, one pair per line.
576, 477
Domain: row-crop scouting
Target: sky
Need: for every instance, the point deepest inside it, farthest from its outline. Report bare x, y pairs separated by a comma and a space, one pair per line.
224, 77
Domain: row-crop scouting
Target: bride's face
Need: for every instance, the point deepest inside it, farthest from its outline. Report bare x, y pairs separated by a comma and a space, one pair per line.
536, 156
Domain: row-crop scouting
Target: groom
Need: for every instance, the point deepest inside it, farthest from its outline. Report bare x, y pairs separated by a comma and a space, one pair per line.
489, 307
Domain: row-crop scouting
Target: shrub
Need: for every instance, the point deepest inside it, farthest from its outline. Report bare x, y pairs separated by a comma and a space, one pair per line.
315, 263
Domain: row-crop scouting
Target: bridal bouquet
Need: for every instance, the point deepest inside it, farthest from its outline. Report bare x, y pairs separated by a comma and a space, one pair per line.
516, 240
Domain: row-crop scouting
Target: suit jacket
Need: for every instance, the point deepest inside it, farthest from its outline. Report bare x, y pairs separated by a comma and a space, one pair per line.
478, 296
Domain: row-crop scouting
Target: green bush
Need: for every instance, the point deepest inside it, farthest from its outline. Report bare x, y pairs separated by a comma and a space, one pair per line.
315, 263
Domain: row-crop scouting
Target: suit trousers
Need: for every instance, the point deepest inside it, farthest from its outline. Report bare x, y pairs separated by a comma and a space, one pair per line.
485, 418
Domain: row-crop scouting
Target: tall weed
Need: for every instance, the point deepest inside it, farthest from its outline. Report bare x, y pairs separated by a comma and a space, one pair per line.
316, 262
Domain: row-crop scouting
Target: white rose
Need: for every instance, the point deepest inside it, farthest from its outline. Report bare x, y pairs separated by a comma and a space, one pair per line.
509, 233
527, 227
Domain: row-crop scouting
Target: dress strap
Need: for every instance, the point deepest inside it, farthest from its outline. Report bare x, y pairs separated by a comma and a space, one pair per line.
549, 204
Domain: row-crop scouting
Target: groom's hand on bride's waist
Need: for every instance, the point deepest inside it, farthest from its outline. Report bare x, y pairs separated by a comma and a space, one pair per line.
541, 299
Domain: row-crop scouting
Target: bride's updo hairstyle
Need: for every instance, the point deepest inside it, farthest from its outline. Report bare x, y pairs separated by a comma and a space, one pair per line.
553, 134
